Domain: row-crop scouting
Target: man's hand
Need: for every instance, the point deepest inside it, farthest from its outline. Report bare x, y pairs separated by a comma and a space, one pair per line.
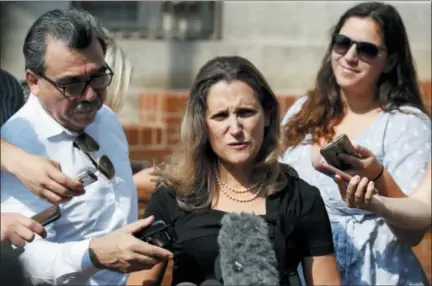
19, 229
120, 251
45, 179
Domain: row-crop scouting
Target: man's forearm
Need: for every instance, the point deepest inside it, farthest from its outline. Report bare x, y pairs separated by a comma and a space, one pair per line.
5, 151
58, 263
9, 154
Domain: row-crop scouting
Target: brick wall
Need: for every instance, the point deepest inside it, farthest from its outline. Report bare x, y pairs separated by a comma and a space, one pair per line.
154, 138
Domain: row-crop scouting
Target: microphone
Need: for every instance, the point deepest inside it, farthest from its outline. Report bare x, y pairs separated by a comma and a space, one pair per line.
246, 255
209, 282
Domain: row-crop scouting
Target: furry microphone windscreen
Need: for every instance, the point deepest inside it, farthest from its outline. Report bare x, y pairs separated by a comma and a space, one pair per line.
246, 254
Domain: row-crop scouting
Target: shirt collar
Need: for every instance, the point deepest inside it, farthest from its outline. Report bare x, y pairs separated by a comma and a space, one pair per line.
48, 126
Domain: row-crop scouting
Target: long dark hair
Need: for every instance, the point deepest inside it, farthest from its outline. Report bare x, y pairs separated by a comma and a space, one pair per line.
323, 109
191, 172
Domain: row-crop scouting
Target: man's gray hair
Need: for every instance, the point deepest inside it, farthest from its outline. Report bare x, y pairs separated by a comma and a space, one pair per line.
75, 28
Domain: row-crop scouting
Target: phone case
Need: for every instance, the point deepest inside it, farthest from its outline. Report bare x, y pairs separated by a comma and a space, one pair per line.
86, 178
48, 215
341, 145
159, 234
330, 171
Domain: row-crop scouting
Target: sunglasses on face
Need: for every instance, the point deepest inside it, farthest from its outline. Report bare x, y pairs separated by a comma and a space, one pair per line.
88, 145
365, 50
77, 88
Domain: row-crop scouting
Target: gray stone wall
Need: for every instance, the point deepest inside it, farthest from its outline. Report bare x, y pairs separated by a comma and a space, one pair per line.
285, 40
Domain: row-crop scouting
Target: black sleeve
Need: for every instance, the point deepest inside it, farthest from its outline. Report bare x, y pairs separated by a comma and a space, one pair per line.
162, 205
317, 234
11, 96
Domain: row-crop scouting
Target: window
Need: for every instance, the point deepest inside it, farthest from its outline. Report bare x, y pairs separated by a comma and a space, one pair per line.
180, 20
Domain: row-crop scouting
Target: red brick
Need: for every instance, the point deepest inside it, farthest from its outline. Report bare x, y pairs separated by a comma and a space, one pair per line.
150, 155
159, 137
173, 139
132, 134
285, 103
173, 120
426, 88
146, 135
149, 117
175, 102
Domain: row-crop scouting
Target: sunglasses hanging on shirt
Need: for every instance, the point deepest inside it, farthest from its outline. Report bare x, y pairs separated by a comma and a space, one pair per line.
89, 146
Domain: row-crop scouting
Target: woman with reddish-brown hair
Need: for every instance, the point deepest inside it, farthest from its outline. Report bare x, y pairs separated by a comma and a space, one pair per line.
367, 89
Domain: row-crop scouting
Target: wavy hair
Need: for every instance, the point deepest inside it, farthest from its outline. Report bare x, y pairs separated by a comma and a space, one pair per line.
193, 165
122, 68
323, 108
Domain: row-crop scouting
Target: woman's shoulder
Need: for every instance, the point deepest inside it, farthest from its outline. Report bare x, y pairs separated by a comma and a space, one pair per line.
164, 192
164, 195
305, 191
163, 204
408, 113
298, 196
294, 109
409, 122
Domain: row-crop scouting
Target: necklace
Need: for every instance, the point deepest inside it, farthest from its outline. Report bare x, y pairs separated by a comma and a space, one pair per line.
223, 185
225, 190
254, 196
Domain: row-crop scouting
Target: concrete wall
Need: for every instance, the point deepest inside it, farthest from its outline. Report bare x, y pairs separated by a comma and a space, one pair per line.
286, 40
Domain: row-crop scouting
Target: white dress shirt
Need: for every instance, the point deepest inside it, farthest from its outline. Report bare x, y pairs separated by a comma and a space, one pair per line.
62, 258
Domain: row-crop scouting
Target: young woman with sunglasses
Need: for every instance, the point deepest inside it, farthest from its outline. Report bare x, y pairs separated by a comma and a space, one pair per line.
367, 89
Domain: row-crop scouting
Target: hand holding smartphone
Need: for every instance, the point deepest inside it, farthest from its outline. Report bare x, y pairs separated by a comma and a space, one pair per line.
86, 178
159, 234
330, 170
53, 213
340, 145
48, 215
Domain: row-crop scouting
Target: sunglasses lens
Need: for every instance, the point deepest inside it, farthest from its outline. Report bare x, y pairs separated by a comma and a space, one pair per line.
86, 143
367, 51
341, 44
106, 167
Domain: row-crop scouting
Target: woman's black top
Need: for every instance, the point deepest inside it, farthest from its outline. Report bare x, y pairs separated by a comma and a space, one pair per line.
297, 213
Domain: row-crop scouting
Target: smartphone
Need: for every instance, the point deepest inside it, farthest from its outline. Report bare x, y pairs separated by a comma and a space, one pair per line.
329, 170
340, 145
86, 177
48, 215
158, 233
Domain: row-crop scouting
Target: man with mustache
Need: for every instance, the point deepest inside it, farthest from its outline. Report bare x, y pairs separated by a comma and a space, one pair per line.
64, 119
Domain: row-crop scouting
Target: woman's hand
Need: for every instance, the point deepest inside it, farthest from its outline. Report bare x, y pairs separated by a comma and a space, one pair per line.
358, 193
367, 166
